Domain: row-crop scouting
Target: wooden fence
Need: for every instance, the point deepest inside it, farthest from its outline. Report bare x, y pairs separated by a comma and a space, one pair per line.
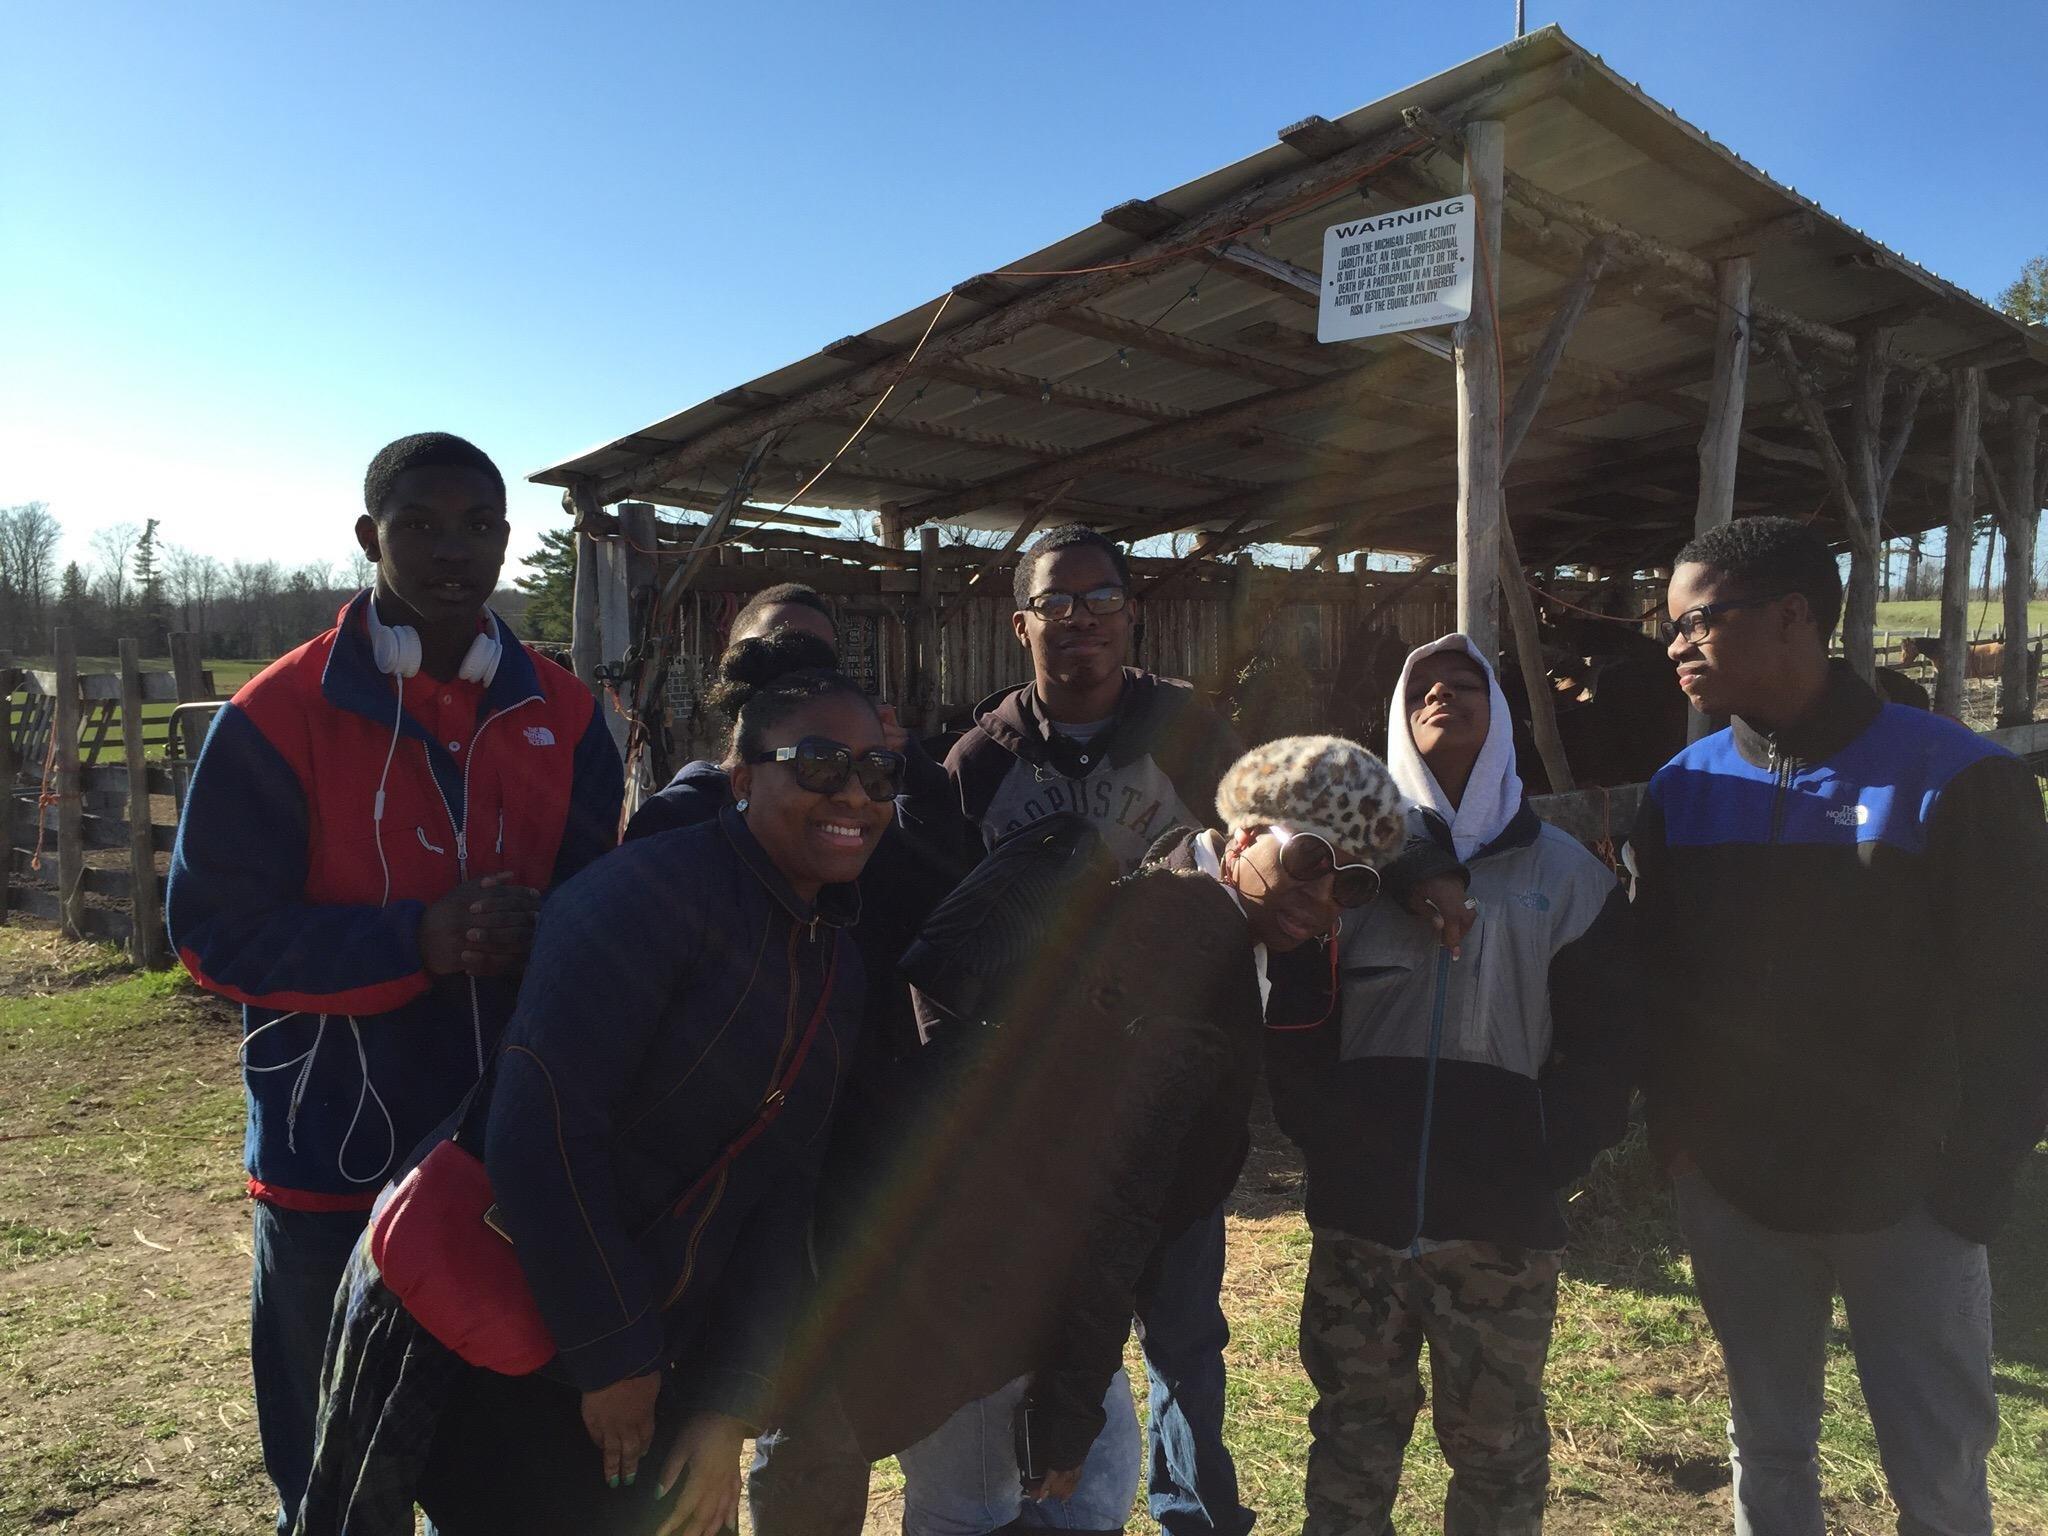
84, 839
929, 629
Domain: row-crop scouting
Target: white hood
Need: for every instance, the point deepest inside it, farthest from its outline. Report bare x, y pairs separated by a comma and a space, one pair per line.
1494, 793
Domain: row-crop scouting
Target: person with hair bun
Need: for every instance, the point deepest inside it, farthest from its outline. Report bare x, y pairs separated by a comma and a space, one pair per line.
653, 1134
809, 1477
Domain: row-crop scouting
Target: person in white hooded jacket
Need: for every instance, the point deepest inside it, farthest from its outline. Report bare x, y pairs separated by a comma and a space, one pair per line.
1455, 1091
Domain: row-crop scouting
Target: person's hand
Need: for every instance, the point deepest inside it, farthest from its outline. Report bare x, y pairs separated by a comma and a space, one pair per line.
620, 1422
482, 928
1054, 1485
1442, 900
894, 736
706, 1457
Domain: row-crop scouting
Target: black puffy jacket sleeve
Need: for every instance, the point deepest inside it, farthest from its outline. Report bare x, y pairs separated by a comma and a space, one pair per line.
1988, 858
1596, 1008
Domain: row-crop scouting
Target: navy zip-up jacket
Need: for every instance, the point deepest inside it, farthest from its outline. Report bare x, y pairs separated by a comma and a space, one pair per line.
1843, 925
670, 985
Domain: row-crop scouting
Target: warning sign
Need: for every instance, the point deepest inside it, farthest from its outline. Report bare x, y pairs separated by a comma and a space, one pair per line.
1397, 271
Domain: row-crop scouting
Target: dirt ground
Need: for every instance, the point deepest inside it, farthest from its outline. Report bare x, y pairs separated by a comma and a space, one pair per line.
125, 1402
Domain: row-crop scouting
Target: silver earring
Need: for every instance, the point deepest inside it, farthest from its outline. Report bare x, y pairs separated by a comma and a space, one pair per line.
740, 806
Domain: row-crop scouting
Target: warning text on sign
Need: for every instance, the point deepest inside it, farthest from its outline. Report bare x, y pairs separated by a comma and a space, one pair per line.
1397, 271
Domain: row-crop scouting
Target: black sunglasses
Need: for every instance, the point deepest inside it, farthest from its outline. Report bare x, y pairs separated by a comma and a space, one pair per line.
1307, 856
1059, 606
822, 766
1697, 623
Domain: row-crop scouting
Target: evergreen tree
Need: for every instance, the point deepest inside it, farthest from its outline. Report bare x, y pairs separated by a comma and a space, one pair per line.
2027, 298
147, 568
550, 586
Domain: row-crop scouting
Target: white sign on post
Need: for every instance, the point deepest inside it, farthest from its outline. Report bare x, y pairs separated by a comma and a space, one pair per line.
1397, 271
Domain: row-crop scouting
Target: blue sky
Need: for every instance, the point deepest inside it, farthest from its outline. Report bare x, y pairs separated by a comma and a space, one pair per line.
245, 244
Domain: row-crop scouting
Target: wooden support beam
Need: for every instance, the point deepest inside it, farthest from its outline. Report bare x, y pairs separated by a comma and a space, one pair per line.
1141, 217
1514, 586
1866, 517
584, 655
1120, 332
1315, 138
188, 673
1479, 405
70, 809
1022, 386
1721, 438
146, 936
2016, 673
1955, 563
1024, 529
1543, 366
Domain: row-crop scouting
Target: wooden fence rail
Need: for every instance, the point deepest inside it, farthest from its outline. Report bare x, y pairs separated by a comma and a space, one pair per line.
65, 815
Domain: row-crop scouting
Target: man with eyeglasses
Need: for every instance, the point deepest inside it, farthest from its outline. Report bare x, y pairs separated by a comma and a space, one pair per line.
1841, 903
1137, 755
1482, 1056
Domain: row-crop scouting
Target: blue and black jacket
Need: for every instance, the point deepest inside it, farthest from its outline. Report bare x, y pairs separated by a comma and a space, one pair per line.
1842, 924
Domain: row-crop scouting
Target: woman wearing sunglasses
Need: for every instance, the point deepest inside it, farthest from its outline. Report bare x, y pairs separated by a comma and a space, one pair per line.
1481, 1056
652, 1131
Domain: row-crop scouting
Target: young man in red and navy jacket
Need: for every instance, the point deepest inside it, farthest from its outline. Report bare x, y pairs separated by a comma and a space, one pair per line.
369, 832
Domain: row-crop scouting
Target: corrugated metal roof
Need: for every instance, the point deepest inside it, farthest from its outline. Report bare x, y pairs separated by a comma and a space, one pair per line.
1206, 376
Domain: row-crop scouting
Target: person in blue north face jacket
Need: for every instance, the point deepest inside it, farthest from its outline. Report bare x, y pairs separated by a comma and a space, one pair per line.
1841, 904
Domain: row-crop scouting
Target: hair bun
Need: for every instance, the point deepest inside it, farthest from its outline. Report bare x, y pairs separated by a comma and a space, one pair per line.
752, 664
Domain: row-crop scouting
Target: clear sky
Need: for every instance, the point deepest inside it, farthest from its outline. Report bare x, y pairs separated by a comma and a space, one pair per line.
246, 244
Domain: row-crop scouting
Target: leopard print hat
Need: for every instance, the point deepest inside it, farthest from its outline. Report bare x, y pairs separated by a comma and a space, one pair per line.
1321, 784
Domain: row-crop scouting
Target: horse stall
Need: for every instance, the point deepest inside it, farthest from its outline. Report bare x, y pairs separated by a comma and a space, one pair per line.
1660, 338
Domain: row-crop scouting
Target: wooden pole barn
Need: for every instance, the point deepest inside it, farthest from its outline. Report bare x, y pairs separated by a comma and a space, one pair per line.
1158, 373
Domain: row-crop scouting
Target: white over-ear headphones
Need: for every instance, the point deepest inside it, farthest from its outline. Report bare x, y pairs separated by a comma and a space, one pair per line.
396, 648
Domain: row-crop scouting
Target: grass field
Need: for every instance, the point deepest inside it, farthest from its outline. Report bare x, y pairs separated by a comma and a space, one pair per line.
124, 1389
228, 675
1924, 618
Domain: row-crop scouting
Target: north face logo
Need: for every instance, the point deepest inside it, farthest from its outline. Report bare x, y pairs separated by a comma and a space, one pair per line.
1850, 816
539, 736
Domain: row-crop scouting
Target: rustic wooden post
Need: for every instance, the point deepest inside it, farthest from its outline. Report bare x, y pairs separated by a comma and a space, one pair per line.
146, 935
1955, 564
8, 678
930, 636
70, 812
1865, 514
2016, 671
1477, 356
889, 526
583, 622
1721, 437
1529, 654
188, 676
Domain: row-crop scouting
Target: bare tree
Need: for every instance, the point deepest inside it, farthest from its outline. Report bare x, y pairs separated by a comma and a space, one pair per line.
361, 570
112, 547
28, 556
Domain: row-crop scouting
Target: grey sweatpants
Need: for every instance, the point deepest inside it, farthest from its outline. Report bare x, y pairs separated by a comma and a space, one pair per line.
1919, 1303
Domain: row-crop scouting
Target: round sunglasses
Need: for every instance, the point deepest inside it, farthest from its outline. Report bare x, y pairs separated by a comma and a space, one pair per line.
1306, 857
822, 766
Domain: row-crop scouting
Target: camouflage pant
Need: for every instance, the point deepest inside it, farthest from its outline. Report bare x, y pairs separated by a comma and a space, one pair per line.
1487, 1313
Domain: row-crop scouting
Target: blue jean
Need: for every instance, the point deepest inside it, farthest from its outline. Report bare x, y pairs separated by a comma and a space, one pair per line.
962, 1479
1191, 1482
299, 1258
1919, 1303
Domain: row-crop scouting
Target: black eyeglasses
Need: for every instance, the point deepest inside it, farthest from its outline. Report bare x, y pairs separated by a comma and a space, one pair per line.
1697, 623
822, 766
1307, 856
1057, 607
